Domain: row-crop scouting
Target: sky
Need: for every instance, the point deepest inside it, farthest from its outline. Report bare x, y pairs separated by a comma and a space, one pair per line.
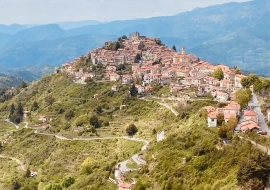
51, 11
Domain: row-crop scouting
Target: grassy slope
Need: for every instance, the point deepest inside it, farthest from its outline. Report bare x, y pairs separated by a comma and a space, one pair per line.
53, 158
210, 164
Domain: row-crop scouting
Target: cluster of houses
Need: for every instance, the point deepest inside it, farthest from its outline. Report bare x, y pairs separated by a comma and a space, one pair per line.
248, 121
161, 64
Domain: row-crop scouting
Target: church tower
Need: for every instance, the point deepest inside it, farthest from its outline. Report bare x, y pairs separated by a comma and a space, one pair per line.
184, 51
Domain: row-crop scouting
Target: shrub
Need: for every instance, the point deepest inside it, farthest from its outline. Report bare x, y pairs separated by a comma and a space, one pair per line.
131, 129
68, 181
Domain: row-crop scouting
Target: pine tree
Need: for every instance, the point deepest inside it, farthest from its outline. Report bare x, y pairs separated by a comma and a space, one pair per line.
174, 48
133, 91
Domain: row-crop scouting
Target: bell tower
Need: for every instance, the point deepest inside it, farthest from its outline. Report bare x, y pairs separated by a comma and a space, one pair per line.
184, 51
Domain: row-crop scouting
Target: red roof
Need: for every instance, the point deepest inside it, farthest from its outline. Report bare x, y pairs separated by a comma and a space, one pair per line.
213, 115
124, 185
250, 113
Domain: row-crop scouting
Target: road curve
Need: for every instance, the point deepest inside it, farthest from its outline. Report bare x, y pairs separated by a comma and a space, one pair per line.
14, 159
17, 126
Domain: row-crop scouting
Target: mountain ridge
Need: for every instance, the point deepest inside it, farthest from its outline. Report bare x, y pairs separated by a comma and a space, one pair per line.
194, 29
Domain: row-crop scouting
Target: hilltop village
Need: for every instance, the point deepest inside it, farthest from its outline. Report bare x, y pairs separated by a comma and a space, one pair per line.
151, 61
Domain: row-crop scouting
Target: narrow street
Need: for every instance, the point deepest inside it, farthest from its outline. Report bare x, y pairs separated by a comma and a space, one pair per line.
255, 104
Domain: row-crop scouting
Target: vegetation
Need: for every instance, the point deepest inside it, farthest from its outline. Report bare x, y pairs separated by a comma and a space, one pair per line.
242, 97
131, 129
260, 85
209, 163
218, 73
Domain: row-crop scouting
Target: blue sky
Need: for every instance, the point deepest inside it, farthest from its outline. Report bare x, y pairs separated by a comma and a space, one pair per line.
49, 11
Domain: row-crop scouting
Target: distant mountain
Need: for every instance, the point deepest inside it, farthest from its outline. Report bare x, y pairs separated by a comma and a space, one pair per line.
7, 81
11, 29
37, 33
76, 24
4, 38
236, 34
52, 52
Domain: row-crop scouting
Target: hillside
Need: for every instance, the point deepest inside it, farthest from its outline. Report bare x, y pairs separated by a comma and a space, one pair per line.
236, 34
79, 131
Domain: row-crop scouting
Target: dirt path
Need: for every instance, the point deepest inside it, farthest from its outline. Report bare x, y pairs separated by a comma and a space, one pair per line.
22, 166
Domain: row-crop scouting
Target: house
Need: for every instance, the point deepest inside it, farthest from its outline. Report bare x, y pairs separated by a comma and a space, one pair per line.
33, 173
249, 125
237, 80
232, 107
86, 76
26, 113
127, 79
165, 80
121, 107
139, 88
96, 96
115, 88
212, 119
250, 114
209, 108
222, 96
124, 186
148, 88
44, 127
42, 118
114, 76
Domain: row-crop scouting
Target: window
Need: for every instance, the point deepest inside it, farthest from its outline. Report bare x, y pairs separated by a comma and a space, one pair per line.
212, 120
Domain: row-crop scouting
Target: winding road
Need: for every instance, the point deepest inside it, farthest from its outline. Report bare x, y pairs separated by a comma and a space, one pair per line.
163, 104
123, 164
16, 160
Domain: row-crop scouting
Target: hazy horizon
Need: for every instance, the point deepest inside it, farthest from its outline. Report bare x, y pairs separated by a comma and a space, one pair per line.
44, 12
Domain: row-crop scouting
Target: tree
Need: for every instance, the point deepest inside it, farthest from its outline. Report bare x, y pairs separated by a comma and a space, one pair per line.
27, 173
120, 67
34, 106
12, 110
137, 58
220, 118
244, 82
95, 121
49, 100
54, 186
68, 181
223, 131
131, 129
69, 114
218, 73
20, 109
237, 70
98, 110
232, 123
174, 48
133, 90
88, 165
242, 97
254, 172
24, 84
